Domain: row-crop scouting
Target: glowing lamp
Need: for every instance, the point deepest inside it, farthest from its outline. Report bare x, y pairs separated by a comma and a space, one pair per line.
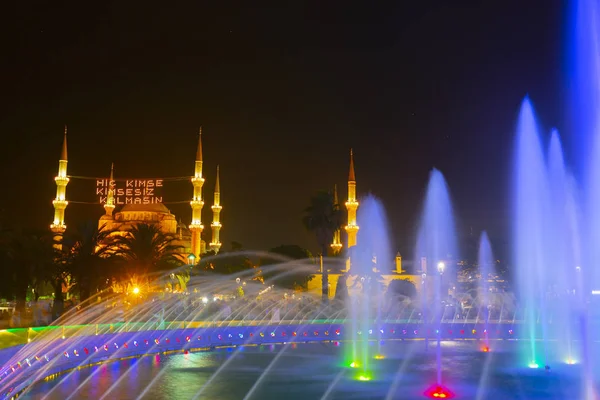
441, 266
438, 392
533, 364
136, 290
485, 349
379, 356
354, 364
191, 259
570, 361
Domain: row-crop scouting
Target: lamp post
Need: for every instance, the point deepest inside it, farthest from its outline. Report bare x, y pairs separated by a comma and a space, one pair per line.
191, 259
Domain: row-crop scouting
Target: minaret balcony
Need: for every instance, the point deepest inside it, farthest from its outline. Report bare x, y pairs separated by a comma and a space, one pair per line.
215, 246
198, 180
61, 180
216, 207
197, 203
58, 227
60, 203
196, 226
336, 246
216, 224
352, 204
351, 228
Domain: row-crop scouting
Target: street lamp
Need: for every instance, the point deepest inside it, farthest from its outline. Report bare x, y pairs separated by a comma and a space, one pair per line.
441, 266
191, 259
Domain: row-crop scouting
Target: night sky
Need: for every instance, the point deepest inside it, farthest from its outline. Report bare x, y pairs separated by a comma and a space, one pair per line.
283, 90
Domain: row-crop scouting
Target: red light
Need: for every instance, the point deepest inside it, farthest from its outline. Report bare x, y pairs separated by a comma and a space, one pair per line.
438, 392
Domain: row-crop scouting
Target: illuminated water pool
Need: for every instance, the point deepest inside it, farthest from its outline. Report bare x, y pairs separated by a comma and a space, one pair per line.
313, 371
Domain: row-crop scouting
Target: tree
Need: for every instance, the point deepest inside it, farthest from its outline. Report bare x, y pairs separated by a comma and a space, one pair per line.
281, 271
227, 263
147, 250
402, 287
341, 289
28, 257
88, 256
323, 217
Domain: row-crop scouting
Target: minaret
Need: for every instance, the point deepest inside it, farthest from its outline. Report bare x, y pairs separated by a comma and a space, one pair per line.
398, 263
215, 244
351, 205
60, 203
109, 206
196, 226
336, 246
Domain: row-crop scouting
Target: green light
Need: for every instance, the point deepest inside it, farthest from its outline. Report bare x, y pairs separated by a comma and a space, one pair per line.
533, 364
364, 378
354, 364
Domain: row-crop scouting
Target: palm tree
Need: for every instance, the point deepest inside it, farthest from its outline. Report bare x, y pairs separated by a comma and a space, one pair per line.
88, 253
323, 217
146, 249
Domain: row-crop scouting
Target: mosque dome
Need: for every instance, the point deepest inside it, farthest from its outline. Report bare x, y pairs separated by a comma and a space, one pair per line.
154, 207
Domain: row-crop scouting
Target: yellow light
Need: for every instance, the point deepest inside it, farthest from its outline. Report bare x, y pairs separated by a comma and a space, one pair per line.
136, 290
379, 357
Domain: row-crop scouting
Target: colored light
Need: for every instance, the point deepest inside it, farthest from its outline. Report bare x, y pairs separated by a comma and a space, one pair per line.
485, 349
136, 290
570, 361
354, 364
379, 356
363, 378
533, 364
438, 392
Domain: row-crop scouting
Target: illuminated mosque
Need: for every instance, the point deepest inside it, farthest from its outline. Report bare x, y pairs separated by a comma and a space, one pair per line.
148, 210
152, 211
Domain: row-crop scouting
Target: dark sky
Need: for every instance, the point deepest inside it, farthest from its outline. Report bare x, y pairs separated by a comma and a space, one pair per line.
283, 91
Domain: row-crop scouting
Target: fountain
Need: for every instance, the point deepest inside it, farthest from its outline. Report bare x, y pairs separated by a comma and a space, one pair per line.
436, 244
370, 258
486, 269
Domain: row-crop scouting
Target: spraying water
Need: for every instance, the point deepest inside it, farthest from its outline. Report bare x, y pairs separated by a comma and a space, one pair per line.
531, 226
370, 258
436, 244
486, 268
